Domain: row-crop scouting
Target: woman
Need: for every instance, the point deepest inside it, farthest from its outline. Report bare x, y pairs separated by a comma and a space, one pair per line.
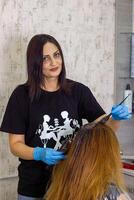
92, 170
42, 112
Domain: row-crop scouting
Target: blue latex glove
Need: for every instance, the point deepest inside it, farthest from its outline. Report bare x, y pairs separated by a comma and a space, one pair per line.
120, 112
48, 155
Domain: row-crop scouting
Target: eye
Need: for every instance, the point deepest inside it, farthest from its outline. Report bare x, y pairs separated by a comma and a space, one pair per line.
45, 59
57, 55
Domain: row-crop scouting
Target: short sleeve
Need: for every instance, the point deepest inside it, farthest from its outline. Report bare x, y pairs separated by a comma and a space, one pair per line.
15, 120
89, 108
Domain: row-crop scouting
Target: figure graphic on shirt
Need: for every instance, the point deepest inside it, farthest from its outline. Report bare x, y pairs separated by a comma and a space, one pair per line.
56, 131
69, 124
47, 134
68, 128
64, 130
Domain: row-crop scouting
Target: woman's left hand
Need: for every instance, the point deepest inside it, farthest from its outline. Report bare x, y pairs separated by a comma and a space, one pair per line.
120, 112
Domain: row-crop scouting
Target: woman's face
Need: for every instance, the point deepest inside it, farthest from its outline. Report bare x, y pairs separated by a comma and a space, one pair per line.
52, 61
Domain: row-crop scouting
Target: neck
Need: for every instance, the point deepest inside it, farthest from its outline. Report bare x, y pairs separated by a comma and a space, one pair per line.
50, 85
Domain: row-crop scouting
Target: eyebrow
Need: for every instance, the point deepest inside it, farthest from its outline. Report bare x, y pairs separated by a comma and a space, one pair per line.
53, 53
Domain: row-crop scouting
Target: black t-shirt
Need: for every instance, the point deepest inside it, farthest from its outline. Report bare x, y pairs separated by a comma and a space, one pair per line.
46, 122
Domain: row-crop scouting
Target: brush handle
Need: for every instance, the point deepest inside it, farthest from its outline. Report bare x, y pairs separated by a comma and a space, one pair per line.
124, 99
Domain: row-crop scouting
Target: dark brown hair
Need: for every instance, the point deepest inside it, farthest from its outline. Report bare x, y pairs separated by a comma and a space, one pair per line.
35, 62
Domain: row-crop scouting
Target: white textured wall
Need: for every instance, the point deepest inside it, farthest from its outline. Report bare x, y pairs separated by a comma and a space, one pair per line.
133, 16
85, 30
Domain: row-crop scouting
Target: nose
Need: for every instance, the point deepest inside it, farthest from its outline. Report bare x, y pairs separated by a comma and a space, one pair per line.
53, 61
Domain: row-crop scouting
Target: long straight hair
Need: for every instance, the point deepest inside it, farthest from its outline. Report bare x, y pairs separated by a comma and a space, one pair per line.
35, 62
93, 163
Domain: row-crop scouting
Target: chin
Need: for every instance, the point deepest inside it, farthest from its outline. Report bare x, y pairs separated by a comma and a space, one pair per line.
55, 74
52, 74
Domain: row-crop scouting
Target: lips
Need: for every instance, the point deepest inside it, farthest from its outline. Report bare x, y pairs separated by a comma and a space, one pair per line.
54, 69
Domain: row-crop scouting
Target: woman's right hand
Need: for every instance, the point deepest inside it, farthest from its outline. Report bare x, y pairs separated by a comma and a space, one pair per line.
48, 155
21, 150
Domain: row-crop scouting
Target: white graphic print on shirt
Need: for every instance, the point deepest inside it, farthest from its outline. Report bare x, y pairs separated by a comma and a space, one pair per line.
56, 131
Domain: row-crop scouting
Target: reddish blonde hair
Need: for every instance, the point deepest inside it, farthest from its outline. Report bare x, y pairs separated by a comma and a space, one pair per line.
93, 163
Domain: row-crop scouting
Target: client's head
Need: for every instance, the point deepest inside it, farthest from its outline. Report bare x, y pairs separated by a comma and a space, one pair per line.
93, 162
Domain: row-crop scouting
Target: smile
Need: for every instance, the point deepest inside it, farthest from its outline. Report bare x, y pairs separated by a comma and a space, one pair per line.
54, 69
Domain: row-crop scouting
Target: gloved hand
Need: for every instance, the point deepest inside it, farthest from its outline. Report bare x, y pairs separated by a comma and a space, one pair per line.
48, 155
120, 112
